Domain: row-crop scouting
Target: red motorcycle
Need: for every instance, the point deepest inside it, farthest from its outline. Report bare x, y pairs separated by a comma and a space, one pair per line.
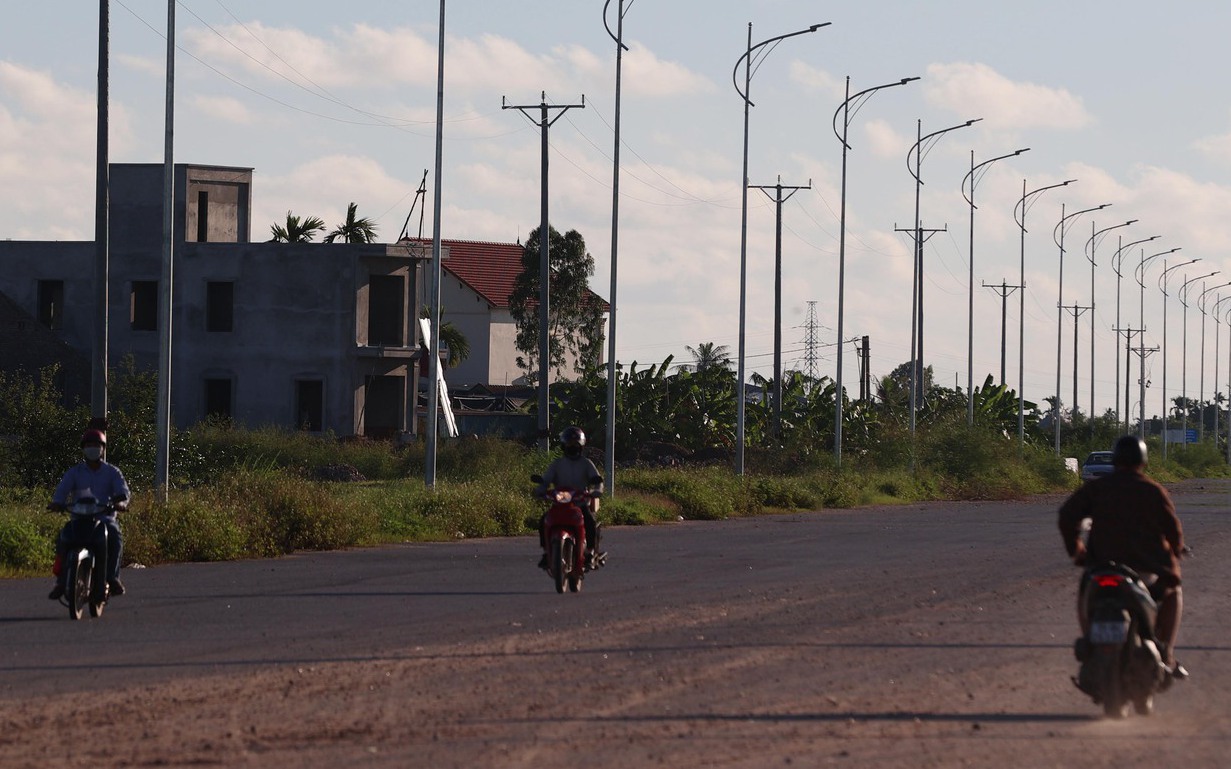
564, 537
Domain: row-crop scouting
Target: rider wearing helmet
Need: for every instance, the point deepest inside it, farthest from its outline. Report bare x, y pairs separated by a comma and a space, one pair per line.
1132, 522
96, 479
574, 471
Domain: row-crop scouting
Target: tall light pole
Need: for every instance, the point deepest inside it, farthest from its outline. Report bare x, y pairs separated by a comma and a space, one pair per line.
848, 109
433, 370
1019, 215
612, 373
755, 53
1162, 285
975, 174
1183, 295
1057, 236
1201, 303
921, 147
1117, 260
1140, 274
1091, 246
1217, 337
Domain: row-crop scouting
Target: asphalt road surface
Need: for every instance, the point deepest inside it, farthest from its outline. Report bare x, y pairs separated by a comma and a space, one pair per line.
930, 635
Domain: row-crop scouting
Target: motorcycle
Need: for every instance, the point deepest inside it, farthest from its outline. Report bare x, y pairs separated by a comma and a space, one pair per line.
85, 563
1121, 659
564, 532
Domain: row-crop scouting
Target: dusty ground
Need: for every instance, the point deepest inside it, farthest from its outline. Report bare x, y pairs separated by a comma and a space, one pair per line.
785, 677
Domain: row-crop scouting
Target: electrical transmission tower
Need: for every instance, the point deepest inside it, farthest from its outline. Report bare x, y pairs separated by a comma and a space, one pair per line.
811, 342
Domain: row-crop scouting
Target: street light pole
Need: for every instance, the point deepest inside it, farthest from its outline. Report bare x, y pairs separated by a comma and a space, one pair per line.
919, 150
1019, 215
1140, 274
1217, 337
1091, 246
1201, 387
1117, 261
757, 51
1162, 285
974, 176
1183, 294
1057, 236
612, 369
847, 113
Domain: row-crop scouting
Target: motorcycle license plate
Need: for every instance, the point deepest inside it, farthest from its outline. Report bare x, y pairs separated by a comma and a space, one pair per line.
1109, 632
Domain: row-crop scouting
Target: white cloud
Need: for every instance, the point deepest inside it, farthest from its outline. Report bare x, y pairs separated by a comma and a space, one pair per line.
223, 108
818, 80
977, 90
1216, 148
884, 140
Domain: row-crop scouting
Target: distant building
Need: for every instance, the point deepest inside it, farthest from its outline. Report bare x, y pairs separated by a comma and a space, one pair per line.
315, 336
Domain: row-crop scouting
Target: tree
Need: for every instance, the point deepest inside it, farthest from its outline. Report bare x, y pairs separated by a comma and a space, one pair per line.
353, 230
709, 355
296, 231
575, 320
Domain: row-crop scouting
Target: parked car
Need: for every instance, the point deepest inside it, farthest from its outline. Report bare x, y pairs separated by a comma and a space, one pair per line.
1097, 464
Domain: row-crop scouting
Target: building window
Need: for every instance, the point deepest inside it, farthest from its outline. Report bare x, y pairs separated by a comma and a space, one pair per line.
143, 305
202, 216
309, 405
386, 311
51, 303
219, 306
218, 398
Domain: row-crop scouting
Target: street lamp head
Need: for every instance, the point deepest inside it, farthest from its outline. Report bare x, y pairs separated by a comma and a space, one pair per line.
906, 80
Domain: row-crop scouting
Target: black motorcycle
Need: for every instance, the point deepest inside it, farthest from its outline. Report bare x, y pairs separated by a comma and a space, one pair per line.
1121, 659
85, 562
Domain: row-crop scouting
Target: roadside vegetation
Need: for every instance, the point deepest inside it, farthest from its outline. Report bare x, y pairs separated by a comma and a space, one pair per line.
264, 492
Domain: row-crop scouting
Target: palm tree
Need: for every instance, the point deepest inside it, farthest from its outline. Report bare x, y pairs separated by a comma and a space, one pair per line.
296, 231
709, 355
353, 230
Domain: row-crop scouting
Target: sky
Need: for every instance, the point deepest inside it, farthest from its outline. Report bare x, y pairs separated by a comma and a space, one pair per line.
331, 103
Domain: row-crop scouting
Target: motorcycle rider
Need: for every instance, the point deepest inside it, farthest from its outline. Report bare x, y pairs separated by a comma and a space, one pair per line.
574, 471
92, 478
1132, 522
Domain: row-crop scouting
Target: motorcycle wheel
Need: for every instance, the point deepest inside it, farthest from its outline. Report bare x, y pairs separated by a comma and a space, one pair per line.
574, 584
77, 582
1115, 704
1144, 706
561, 557
98, 597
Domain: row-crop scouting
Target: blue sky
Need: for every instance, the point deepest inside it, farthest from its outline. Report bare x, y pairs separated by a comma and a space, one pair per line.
332, 103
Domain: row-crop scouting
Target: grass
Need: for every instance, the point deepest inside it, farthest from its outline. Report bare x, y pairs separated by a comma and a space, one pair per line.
257, 494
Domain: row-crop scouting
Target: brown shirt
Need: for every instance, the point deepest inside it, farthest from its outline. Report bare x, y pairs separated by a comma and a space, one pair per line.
1133, 522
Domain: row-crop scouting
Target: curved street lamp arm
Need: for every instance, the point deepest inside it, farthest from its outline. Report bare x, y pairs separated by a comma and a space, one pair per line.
1139, 270
1092, 243
1201, 301
1162, 279
1028, 198
934, 135
1184, 291
613, 35
1117, 258
1055, 233
973, 175
858, 100
754, 49
1214, 307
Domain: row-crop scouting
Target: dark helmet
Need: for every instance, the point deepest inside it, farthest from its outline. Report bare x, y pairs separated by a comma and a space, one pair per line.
1129, 451
573, 440
94, 436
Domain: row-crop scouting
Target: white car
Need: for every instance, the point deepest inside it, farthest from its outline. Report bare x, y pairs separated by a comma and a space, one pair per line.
1096, 465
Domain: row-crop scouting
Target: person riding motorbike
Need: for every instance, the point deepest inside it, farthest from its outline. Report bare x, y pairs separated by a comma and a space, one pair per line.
1132, 522
574, 471
92, 478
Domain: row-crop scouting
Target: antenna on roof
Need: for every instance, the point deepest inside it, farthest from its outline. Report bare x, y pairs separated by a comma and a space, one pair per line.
421, 194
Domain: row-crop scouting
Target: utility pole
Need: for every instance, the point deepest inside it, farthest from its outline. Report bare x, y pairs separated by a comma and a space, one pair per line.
1142, 353
1128, 356
1076, 312
102, 198
778, 199
1004, 290
544, 122
866, 372
919, 235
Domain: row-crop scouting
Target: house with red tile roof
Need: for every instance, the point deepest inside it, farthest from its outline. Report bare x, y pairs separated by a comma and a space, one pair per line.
477, 282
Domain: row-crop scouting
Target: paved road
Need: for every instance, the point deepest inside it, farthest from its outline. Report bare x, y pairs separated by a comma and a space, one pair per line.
924, 635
